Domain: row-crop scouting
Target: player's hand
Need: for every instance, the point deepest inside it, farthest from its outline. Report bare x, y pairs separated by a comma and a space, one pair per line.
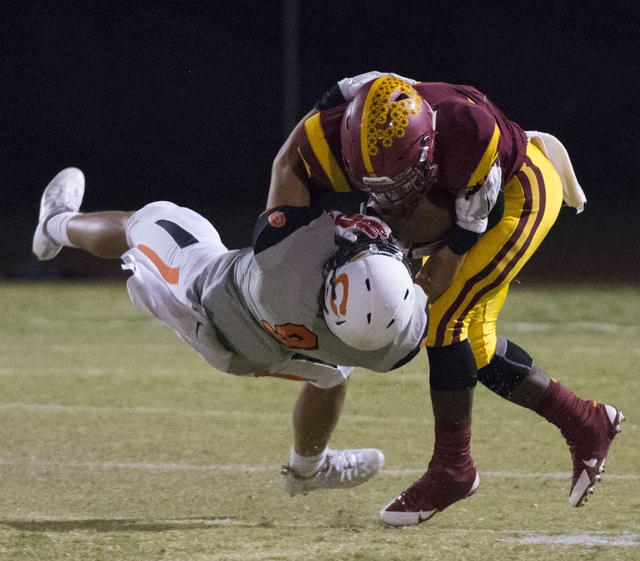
348, 227
473, 207
349, 86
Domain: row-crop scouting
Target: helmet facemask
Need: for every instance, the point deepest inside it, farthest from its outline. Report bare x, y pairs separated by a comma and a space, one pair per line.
388, 134
396, 195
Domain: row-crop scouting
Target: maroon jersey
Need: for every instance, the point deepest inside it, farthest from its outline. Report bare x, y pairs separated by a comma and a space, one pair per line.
472, 134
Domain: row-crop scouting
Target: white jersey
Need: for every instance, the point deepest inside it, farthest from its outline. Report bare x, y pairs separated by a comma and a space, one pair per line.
263, 303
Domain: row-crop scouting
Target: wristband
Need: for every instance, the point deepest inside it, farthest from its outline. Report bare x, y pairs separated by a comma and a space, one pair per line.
459, 240
331, 99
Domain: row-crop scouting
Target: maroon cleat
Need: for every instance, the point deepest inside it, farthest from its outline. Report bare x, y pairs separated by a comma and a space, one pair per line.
437, 489
589, 450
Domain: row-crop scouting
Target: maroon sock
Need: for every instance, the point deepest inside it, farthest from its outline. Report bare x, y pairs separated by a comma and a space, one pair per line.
564, 409
451, 471
453, 442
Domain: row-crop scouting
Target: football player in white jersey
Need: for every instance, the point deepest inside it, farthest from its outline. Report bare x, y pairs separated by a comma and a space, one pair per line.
317, 291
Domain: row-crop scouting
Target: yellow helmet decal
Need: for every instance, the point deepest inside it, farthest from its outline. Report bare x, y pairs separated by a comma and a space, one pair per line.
383, 119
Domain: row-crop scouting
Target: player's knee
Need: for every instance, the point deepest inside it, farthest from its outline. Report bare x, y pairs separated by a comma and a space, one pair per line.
453, 367
508, 368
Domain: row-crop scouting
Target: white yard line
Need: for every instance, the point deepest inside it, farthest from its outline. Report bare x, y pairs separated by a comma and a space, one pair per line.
143, 411
187, 413
588, 539
511, 474
98, 410
137, 465
252, 469
117, 323
570, 326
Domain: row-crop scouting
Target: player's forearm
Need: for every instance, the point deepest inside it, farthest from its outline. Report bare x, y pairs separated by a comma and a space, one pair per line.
288, 176
438, 273
288, 186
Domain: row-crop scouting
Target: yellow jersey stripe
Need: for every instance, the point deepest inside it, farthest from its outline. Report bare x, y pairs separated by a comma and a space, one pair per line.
322, 152
488, 158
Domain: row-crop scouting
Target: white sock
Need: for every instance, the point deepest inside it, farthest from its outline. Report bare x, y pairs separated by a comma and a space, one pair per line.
306, 466
56, 228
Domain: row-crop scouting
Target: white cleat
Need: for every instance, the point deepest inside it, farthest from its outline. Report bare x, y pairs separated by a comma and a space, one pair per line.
587, 467
342, 469
63, 194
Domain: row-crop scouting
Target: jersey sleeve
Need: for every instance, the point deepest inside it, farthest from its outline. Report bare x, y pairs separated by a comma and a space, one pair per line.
320, 149
277, 223
467, 142
413, 338
468, 139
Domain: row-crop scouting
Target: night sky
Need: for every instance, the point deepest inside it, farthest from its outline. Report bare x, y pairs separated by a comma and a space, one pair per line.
190, 101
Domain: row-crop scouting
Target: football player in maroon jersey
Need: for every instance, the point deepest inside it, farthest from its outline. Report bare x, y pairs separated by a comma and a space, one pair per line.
471, 196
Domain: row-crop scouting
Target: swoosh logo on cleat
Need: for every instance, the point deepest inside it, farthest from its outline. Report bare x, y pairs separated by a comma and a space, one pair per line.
580, 489
425, 515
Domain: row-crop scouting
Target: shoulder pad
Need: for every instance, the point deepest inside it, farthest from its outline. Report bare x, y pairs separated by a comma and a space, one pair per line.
276, 223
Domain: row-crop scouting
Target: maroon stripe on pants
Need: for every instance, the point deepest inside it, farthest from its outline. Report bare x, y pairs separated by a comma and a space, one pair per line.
491, 266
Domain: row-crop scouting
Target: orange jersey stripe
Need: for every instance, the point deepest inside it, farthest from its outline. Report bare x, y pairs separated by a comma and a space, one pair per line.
266, 373
169, 274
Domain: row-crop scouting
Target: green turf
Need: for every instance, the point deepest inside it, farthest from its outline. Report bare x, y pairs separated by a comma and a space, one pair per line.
120, 443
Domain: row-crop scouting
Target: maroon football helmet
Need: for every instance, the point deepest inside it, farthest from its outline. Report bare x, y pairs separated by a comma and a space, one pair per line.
387, 137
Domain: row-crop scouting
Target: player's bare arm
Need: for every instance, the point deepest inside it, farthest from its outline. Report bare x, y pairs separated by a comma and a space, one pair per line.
438, 272
288, 175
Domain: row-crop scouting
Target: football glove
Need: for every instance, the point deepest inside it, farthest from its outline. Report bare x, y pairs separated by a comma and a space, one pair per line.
347, 227
349, 86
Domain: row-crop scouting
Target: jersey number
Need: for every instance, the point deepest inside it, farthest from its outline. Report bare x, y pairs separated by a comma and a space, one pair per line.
295, 336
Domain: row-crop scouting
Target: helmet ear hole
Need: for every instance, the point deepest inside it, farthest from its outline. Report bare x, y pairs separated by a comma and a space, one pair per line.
373, 302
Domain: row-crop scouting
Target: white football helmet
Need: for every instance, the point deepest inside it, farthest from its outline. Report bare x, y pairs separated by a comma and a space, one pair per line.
368, 293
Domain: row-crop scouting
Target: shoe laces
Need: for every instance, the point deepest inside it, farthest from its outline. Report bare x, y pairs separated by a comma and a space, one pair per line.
428, 488
593, 438
414, 497
340, 462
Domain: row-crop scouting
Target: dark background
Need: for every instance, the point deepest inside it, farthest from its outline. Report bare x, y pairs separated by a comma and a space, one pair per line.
190, 101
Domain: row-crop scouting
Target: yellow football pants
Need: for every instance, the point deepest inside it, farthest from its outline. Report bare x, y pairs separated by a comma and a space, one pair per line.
470, 306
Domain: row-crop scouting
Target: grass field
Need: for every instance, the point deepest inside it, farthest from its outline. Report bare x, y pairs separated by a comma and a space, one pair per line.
120, 443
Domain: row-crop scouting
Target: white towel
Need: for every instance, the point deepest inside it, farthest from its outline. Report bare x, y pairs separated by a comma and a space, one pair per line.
557, 154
